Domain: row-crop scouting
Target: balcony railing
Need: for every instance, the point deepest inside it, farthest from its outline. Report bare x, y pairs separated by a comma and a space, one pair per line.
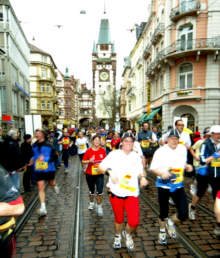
183, 48
159, 31
185, 8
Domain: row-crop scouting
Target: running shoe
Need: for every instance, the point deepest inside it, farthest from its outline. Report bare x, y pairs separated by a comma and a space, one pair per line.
209, 189
192, 212
171, 229
128, 240
99, 210
56, 189
171, 201
217, 231
66, 170
91, 206
42, 212
162, 238
117, 242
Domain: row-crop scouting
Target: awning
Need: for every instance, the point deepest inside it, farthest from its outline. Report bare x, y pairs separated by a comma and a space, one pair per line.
142, 118
21, 89
152, 114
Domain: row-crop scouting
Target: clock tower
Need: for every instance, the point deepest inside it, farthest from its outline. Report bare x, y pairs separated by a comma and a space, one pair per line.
104, 77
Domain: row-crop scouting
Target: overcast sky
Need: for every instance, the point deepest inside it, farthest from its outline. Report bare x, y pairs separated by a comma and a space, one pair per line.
71, 43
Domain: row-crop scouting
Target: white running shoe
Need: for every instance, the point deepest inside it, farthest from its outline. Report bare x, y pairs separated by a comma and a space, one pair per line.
99, 210
66, 170
91, 206
56, 189
117, 242
192, 213
162, 238
171, 229
128, 240
42, 212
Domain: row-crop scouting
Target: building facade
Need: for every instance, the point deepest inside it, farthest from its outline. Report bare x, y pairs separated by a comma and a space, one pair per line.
67, 89
14, 69
43, 87
85, 106
104, 77
181, 42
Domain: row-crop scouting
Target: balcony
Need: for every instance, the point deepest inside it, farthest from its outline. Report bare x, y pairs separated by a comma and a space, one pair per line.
182, 48
2, 77
158, 33
188, 7
147, 51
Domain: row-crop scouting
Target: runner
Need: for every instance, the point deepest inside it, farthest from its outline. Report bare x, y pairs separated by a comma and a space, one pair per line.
108, 146
82, 144
168, 164
115, 141
147, 138
217, 214
125, 168
210, 156
66, 144
44, 167
201, 176
92, 157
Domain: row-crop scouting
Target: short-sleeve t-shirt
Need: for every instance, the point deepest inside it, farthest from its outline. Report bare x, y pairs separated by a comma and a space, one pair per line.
65, 142
127, 168
81, 144
99, 155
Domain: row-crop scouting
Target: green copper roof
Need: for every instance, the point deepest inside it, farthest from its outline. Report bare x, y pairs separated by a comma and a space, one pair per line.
94, 48
104, 32
66, 76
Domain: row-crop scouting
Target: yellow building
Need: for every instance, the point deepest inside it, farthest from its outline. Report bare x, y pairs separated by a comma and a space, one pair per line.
43, 86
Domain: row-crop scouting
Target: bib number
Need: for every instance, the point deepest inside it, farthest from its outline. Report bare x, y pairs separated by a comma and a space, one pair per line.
125, 183
145, 144
95, 169
215, 163
66, 141
181, 142
108, 145
82, 147
41, 165
178, 172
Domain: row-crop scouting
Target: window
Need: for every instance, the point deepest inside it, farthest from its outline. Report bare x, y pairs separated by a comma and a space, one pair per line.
43, 73
185, 76
21, 104
161, 84
44, 59
129, 105
186, 38
42, 105
3, 99
103, 47
26, 106
1, 14
48, 87
48, 105
42, 87
2, 39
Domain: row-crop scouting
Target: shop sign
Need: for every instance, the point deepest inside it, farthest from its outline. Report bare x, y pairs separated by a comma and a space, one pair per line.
183, 93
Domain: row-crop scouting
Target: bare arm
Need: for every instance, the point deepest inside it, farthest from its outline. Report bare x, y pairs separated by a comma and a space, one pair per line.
11, 210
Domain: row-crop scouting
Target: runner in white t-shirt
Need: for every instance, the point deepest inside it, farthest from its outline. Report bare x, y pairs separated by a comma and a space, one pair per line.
82, 145
125, 169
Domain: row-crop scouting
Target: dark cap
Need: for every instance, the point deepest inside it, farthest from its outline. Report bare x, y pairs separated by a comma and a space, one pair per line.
173, 133
125, 135
27, 136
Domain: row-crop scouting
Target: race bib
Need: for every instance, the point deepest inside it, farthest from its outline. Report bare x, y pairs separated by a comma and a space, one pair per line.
41, 165
108, 145
82, 147
125, 183
113, 148
145, 144
178, 172
215, 163
95, 169
66, 141
181, 142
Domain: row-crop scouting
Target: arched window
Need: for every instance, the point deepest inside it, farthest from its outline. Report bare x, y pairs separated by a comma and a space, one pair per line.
186, 37
185, 76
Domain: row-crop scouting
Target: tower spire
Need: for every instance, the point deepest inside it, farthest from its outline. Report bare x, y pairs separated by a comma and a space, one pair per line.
104, 7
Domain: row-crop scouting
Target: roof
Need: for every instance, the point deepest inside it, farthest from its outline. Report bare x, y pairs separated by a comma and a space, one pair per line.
5, 2
104, 32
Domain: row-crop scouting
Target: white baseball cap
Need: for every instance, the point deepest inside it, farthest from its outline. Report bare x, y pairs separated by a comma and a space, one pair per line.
215, 129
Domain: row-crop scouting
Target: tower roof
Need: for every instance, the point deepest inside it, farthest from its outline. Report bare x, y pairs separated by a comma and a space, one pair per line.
104, 32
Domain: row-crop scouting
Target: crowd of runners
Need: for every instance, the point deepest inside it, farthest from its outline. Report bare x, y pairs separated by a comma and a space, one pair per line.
126, 158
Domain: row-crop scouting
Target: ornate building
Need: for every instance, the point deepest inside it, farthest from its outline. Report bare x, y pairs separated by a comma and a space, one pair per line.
104, 77
43, 86
67, 96
85, 106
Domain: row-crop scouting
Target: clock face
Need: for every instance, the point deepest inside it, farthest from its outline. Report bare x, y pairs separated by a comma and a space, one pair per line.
104, 76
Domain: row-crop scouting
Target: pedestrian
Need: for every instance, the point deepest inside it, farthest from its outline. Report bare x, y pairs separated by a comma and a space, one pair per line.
168, 164
26, 152
108, 146
66, 144
82, 144
210, 156
11, 206
11, 157
44, 167
125, 169
146, 139
92, 158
